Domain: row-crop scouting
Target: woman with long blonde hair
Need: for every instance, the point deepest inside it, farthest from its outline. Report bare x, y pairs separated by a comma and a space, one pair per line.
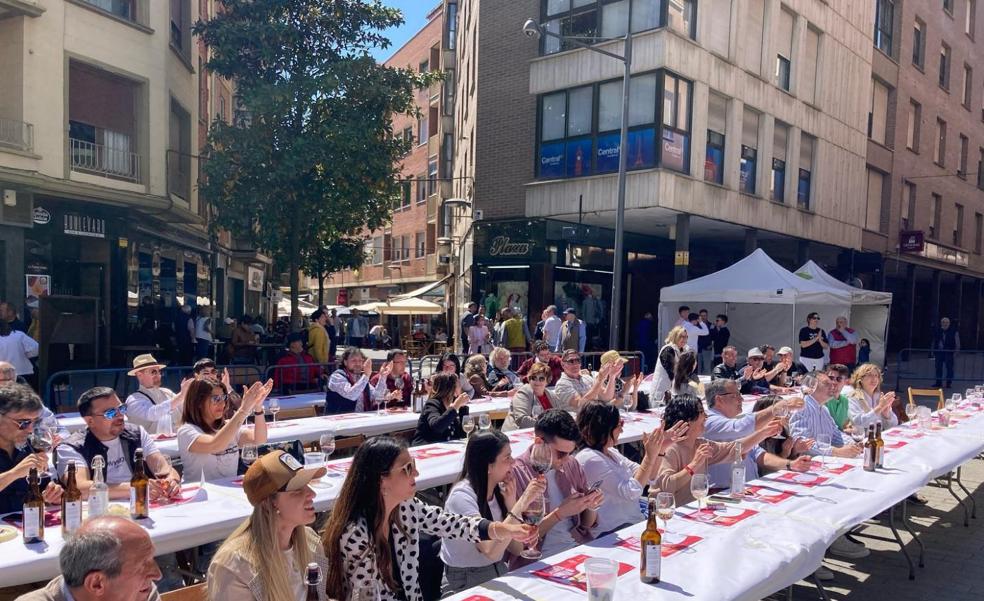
675, 343
868, 405
266, 557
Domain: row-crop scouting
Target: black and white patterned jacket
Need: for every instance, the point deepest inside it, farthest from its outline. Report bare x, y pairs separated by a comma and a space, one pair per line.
358, 560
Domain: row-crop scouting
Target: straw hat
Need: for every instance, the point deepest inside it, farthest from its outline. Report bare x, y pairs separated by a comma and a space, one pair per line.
142, 362
609, 356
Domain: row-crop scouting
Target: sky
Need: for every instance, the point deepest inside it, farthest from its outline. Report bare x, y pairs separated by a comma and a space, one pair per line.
415, 17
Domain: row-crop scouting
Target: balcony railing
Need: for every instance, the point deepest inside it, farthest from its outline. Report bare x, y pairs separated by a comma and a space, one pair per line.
103, 160
16, 134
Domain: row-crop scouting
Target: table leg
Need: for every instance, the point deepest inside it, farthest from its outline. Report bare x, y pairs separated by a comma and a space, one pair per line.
953, 493
908, 527
898, 539
820, 590
970, 496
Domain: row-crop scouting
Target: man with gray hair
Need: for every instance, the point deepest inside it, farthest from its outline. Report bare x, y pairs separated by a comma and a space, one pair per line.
20, 412
109, 558
551, 328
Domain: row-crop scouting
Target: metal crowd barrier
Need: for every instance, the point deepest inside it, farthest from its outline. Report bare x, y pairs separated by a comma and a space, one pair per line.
427, 364
63, 388
916, 367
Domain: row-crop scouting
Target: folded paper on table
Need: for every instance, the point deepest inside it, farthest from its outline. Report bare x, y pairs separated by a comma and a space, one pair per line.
191, 493
767, 495
569, 573
809, 480
669, 547
726, 516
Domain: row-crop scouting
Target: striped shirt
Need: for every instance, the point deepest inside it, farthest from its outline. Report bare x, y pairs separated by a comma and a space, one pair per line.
814, 421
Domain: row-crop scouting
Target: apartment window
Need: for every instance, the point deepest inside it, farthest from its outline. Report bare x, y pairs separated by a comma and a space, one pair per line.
449, 85
752, 18
681, 15
934, 215
716, 36
451, 23
908, 205
779, 142
408, 136
808, 70
804, 184
717, 107
125, 9
419, 244
980, 168
432, 176
785, 51
421, 188
607, 19
968, 78
180, 28
749, 152
919, 44
179, 152
945, 67
424, 66
374, 250
873, 211
915, 119
964, 149
578, 18
948, 6
675, 139
447, 152
969, 17
978, 231
423, 129
405, 247
406, 195
939, 151
884, 22
878, 115
958, 226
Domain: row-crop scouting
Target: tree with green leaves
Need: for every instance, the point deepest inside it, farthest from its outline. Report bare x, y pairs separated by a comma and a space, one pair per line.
311, 158
330, 255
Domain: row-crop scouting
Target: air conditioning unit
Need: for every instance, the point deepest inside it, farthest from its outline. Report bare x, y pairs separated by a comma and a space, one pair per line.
444, 259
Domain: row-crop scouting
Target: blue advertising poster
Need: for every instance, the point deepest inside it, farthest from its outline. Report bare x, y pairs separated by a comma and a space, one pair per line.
607, 159
579, 157
642, 148
552, 160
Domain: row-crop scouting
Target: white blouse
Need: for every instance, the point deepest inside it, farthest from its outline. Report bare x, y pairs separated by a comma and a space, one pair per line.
622, 490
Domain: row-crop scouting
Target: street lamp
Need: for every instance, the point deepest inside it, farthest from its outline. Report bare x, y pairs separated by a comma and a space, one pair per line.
534, 30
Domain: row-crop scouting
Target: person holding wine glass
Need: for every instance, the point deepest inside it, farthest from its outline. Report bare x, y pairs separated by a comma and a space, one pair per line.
440, 419
782, 445
868, 404
487, 489
208, 443
693, 454
622, 479
373, 535
570, 505
20, 409
534, 393
398, 381
110, 436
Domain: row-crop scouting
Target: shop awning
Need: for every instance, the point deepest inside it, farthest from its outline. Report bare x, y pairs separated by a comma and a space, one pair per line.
409, 306
422, 290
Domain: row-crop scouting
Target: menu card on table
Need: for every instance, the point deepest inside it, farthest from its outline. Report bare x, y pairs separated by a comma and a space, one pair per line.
723, 516
803, 479
672, 543
569, 572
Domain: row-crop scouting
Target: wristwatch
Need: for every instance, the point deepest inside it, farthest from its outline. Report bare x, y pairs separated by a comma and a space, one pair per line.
789, 466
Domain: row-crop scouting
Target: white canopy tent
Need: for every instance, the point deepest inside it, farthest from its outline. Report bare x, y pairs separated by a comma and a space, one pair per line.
869, 308
765, 303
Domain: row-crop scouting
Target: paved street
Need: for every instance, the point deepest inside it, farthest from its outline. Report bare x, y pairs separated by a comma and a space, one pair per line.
954, 554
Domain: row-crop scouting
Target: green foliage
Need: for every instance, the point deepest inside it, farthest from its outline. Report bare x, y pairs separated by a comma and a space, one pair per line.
310, 160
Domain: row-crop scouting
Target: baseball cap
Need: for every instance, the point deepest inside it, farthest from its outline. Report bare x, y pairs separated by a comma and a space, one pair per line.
609, 356
785, 351
755, 352
275, 472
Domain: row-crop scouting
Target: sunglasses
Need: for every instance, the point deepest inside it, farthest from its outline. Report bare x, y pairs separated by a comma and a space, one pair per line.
111, 413
24, 424
572, 361
538, 379
218, 398
409, 468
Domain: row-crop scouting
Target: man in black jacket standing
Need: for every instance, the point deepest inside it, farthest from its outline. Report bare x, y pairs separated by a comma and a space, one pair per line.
946, 342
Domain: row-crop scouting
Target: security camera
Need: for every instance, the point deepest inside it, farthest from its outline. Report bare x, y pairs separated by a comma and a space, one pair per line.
532, 29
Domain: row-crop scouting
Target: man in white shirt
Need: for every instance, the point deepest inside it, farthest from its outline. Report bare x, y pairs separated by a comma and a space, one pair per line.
684, 312
695, 328
150, 403
551, 328
109, 436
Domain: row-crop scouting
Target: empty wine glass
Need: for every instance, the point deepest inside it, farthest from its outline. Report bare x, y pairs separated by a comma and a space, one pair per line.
808, 383
274, 408
781, 411
823, 447
951, 404
248, 453
699, 488
911, 410
327, 444
484, 422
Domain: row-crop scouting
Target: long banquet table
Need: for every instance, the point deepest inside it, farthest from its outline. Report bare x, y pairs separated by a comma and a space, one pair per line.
779, 543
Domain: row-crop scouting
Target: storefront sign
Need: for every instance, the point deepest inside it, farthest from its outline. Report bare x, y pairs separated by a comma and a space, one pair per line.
41, 216
503, 246
552, 160
38, 285
911, 241
254, 279
84, 225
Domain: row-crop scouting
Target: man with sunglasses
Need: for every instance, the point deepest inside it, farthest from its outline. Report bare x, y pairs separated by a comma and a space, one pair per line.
813, 343
839, 404
20, 410
109, 436
574, 387
151, 401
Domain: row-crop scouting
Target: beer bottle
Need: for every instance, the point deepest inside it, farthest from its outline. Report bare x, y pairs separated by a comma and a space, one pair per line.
870, 450
312, 581
880, 455
738, 473
139, 488
651, 548
71, 504
33, 509
98, 491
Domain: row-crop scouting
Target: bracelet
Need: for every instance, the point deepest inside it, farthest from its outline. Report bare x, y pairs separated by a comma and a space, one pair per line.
689, 470
661, 455
259, 412
515, 517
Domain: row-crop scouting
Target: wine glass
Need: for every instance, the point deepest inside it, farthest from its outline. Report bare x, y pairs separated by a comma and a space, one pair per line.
823, 447
327, 443
484, 422
162, 466
911, 410
698, 488
398, 387
274, 408
532, 515
468, 425
781, 411
808, 383
248, 453
42, 440
541, 457
665, 508
951, 404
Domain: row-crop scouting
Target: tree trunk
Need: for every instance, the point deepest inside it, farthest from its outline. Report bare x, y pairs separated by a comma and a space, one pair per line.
321, 288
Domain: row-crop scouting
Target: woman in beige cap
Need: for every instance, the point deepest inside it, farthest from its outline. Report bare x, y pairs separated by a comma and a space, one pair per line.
266, 557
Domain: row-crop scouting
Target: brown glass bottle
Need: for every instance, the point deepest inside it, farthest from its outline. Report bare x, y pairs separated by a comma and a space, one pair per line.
650, 543
139, 488
312, 580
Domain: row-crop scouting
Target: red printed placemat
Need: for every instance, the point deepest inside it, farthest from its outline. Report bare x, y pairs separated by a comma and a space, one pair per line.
767, 495
672, 543
831, 469
52, 518
568, 573
803, 479
189, 494
165, 436
895, 444
724, 516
